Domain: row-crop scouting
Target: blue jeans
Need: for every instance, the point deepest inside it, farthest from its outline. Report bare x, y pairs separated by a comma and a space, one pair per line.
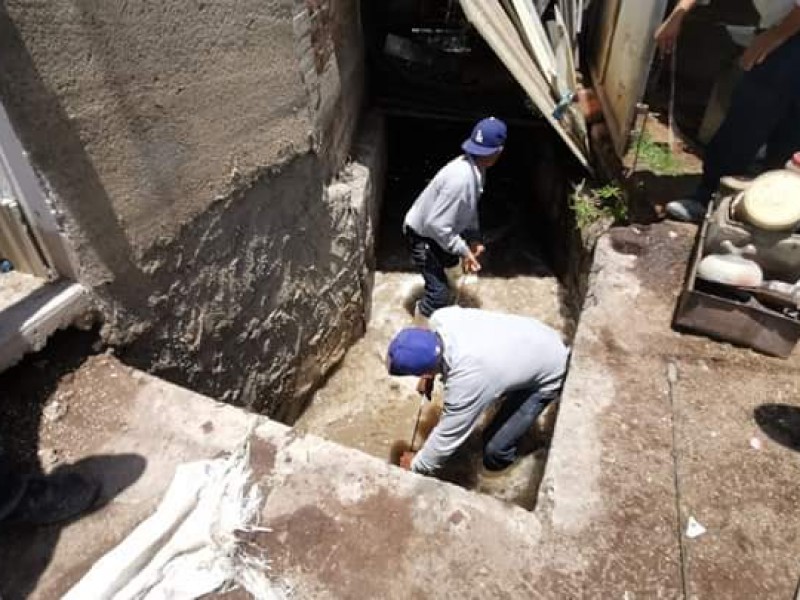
520, 410
765, 109
429, 258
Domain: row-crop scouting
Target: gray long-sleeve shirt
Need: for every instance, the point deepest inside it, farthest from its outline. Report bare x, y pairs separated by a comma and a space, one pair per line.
487, 354
448, 205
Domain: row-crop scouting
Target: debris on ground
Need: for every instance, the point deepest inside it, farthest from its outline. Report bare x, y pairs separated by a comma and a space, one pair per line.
694, 529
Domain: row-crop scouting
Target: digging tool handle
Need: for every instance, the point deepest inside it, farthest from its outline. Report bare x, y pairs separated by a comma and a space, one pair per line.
425, 386
422, 397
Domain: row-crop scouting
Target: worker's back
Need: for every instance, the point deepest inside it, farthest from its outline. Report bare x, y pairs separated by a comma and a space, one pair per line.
447, 206
504, 351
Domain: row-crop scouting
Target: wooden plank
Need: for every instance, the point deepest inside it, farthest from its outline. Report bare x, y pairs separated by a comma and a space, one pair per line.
534, 31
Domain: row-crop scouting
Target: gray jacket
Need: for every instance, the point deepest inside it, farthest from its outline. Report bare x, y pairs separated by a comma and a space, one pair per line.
487, 354
448, 206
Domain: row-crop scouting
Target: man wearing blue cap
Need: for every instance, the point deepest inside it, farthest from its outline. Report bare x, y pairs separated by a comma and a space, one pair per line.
442, 225
481, 355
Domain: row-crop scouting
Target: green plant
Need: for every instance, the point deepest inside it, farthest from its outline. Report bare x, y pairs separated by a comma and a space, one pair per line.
593, 204
657, 156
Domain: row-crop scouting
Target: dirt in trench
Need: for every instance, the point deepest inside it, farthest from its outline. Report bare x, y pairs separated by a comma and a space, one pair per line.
361, 406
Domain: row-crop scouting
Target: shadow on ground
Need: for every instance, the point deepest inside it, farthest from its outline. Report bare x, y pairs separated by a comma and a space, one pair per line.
26, 551
25, 391
781, 422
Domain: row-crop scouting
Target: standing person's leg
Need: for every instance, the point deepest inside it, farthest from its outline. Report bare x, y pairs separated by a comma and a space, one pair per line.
760, 103
785, 140
520, 410
437, 289
12, 488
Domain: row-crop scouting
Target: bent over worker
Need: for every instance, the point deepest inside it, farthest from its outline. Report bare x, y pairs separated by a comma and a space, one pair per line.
441, 227
481, 356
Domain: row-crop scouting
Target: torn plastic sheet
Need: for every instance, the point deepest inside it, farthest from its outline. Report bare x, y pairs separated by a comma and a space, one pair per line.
189, 547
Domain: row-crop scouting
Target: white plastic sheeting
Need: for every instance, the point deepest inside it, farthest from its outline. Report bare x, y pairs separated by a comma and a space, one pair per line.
188, 548
542, 62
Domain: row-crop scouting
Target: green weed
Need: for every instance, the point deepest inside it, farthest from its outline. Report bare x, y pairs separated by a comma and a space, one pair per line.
658, 156
592, 205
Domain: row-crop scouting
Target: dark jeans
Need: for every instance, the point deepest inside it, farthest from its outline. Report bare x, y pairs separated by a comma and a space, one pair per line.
765, 109
519, 411
11, 486
429, 258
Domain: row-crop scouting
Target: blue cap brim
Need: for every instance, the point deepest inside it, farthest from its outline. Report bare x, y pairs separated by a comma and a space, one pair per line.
471, 147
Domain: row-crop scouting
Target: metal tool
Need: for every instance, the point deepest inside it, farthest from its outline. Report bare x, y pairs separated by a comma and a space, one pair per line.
416, 424
424, 387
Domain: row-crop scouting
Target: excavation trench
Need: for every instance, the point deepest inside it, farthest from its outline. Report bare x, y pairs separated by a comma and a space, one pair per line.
532, 267
303, 245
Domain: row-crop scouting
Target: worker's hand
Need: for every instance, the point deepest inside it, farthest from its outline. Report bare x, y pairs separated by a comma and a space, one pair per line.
470, 263
477, 249
668, 32
406, 459
761, 47
425, 386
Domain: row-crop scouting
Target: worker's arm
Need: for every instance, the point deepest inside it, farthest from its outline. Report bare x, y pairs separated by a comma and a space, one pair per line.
466, 396
444, 215
667, 34
765, 43
475, 242
449, 204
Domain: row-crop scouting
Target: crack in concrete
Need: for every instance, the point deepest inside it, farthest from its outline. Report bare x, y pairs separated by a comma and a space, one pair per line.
672, 379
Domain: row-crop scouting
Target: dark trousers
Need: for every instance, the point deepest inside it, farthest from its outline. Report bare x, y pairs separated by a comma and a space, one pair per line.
11, 488
765, 109
430, 260
516, 416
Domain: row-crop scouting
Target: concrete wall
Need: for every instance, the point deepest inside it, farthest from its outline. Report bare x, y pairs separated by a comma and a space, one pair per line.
189, 147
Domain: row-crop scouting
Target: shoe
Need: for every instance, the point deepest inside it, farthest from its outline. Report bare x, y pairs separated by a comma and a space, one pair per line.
687, 209
487, 473
53, 498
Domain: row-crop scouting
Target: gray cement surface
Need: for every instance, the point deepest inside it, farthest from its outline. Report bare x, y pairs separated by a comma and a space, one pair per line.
656, 427
15, 286
639, 447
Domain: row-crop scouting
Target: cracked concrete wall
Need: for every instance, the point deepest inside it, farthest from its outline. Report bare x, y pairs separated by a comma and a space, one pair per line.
192, 151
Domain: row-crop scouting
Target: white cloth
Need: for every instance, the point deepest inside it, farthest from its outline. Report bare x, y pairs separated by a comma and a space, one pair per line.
189, 547
774, 11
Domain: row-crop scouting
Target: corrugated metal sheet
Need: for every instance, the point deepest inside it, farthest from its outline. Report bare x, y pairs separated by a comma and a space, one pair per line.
513, 29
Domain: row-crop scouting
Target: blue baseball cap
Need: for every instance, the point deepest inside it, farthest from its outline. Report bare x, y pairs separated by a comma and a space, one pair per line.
414, 351
488, 137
